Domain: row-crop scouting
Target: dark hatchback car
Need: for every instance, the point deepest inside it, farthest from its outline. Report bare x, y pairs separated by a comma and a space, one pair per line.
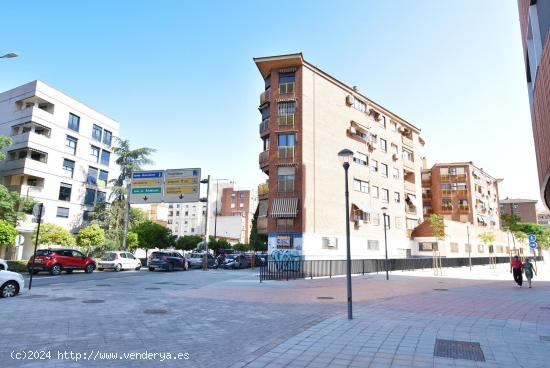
168, 261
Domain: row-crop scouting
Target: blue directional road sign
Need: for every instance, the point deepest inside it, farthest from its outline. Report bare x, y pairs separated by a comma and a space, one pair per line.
532, 238
533, 245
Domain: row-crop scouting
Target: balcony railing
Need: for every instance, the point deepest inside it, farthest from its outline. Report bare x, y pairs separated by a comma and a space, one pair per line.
411, 210
264, 97
407, 141
461, 177
411, 187
464, 207
408, 164
285, 152
462, 192
264, 125
263, 189
285, 186
285, 120
286, 88
446, 208
264, 158
445, 177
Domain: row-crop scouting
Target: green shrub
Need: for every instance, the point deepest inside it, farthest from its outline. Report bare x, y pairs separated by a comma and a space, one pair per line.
17, 266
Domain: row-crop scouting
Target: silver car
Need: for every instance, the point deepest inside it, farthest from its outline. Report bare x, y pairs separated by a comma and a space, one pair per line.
11, 284
197, 259
118, 261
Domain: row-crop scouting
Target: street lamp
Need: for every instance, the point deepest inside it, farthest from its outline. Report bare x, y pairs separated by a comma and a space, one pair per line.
9, 56
384, 209
345, 156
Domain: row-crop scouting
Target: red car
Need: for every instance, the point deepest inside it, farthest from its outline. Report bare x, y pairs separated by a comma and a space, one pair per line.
56, 260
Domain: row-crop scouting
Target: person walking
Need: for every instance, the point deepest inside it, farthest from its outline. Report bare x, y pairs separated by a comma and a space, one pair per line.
516, 268
529, 269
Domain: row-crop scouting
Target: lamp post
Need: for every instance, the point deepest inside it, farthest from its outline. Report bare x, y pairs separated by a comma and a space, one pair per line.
469, 247
9, 56
384, 209
345, 156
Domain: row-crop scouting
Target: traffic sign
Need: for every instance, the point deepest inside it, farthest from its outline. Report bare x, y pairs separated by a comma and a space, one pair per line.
532, 238
182, 185
147, 187
533, 245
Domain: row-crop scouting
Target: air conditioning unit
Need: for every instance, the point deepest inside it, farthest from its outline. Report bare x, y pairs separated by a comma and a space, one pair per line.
350, 100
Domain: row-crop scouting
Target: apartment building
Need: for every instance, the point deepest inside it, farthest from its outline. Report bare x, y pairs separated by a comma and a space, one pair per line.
525, 209
307, 117
156, 212
462, 192
187, 218
61, 154
534, 16
543, 218
239, 203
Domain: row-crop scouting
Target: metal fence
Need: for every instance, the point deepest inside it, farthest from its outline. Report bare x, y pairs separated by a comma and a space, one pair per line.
300, 269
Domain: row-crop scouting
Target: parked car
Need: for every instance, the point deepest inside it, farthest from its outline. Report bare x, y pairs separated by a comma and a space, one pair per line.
3, 265
258, 261
56, 260
11, 283
196, 260
236, 261
167, 260
119, 261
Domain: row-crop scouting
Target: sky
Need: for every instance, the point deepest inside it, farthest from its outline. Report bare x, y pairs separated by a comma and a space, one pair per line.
179, 76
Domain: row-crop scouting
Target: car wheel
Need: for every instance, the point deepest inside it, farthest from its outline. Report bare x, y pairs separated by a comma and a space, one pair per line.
138, 267
9, 289
1, 267
56, 270
170, 267
69, 271
89, 268
151, 268
118, 267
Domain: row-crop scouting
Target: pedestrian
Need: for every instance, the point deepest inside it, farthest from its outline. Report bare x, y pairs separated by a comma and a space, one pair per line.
516, 268
529, 269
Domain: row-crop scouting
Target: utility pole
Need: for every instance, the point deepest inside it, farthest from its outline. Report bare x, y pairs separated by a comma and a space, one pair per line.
469, 247
127, 212
205, 261
39, 209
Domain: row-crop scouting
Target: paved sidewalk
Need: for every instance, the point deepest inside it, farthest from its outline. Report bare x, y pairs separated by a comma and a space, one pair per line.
511, 325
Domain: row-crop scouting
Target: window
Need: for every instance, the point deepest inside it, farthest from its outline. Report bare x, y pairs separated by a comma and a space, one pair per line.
427, 247
232, 205
285, 223
411, 223
454, 247
360, 158
97, 132
394, 149
395, 173
285, 178
383, 145
385, 195
101, 197
107, 137
396, 197
384, 170
267, 81
373, 165
287, 140
105, 157
70, 143
393, 126
375, 219
480, 248
74, 122
443, 171
94, 151
398, 222
446, 204
62, 212
241, 205
92, 176
286, 108
65, 192
360, 185
408, 154
103, 178
359, 105
374, 192
68, 166
382, 121
242, 195
373, 245
89, 197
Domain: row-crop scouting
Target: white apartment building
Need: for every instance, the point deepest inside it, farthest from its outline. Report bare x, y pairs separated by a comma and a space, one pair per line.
61, 155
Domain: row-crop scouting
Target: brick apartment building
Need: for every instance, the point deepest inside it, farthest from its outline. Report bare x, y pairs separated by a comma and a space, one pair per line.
239, 203
308, 116
526, 209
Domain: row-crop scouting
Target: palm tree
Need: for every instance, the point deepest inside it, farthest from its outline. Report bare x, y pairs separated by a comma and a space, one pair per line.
129, 160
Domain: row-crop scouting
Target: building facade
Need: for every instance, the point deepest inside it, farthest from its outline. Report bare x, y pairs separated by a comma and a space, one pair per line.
461, 192
307, 117
525, 209
242, 203
543, 218
534, 16
61, 155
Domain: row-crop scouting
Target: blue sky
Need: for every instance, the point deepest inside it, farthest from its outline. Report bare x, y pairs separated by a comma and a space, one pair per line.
179, 75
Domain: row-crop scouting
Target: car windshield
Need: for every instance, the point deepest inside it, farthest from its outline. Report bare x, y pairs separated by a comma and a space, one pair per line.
43, 252
109, 256
157, 254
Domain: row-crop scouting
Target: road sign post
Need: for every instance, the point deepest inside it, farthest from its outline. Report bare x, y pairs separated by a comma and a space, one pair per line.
38, 211
146, 187
182, 185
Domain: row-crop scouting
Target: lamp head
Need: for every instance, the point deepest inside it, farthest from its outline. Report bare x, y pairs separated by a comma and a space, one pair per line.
345, 156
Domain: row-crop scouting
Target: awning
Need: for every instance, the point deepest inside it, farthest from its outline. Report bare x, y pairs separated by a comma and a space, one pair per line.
286, 99
284, 207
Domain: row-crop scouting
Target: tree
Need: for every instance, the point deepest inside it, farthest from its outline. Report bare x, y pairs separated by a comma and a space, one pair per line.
216, 245
242, 247
188, 242
90, 237
133, 241
110, 217
509, 222
437, 224
542, 233
4, 142
487, 238
128, 160
51, 234
257, 241
152, 235
12, 206
7, 233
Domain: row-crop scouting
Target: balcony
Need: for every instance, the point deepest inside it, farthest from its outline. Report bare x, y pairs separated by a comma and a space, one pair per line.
462, 192
464, 207
264, 125
446, 209
446, 192
262, 225
410, 210
407, 141
444, 177
263, 190
411, 187
286, 88
264, 159
427, 196
426, 183
461, 177
408, 164
285, 120
24, 166
264, 97
24, 139
285, 152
